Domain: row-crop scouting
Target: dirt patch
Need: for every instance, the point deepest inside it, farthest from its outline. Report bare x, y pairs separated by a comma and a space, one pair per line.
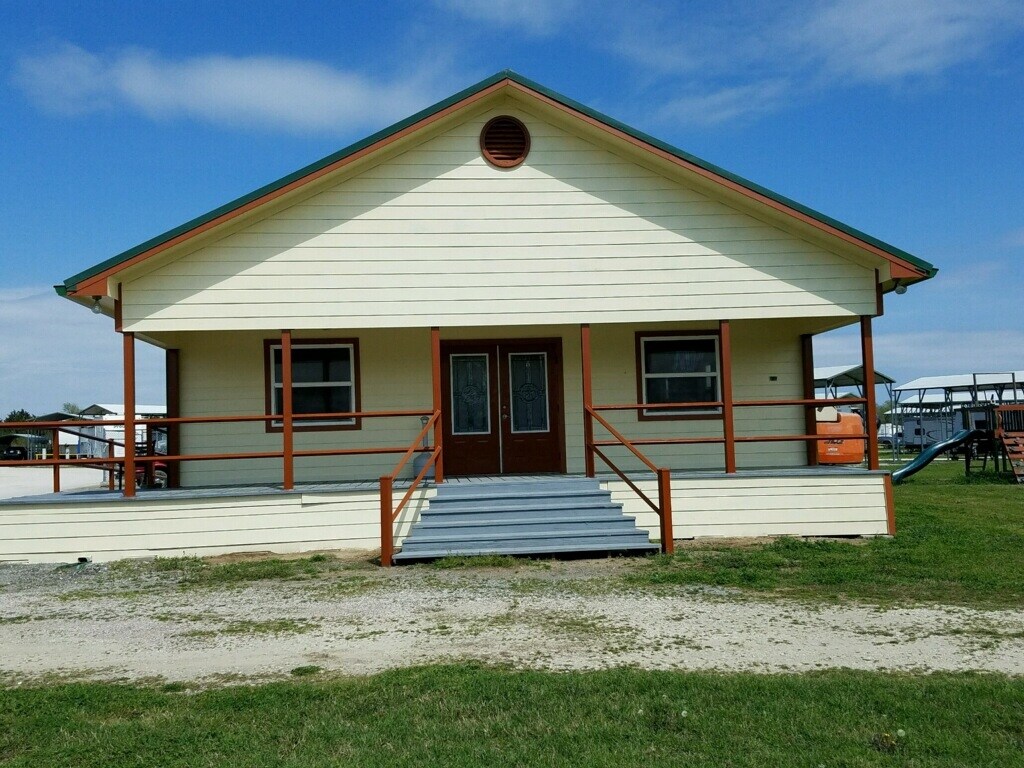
138, 620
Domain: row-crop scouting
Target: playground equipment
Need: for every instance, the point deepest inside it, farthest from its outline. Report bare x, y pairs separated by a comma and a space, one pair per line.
989, 431
1010, 432
928, 455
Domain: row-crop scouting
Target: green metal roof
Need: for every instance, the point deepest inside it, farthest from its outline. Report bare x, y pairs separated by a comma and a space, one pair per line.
71, 282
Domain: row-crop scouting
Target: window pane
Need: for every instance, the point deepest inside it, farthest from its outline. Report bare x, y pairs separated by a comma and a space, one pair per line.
320, 364
688, 389
680, 356
321, 399
529, 390
471, 395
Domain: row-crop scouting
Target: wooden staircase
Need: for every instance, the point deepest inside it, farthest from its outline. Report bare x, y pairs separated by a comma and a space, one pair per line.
1013, 444
523, 517
1011, 432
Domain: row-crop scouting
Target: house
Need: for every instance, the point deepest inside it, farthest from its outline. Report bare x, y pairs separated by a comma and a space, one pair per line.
517, 291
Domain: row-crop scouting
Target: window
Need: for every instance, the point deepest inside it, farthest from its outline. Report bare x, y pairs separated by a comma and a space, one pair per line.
678, 369
323, 381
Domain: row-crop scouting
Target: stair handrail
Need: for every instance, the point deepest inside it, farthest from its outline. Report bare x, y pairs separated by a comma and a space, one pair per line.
389, 515
664, 506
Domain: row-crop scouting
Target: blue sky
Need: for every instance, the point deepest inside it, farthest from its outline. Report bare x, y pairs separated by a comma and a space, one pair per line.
903, 118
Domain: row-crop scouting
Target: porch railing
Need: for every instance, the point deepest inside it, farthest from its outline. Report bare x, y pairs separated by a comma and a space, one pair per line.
1009, 418
287, 454
728, 441
663, 509
388, 516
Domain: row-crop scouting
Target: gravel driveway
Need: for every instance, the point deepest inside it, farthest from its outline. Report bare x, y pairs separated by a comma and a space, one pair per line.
96, 622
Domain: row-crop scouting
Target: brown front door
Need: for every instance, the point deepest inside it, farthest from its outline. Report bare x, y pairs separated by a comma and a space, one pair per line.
503, 410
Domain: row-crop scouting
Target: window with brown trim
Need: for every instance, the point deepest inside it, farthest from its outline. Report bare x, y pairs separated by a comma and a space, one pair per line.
678, 368
324, 380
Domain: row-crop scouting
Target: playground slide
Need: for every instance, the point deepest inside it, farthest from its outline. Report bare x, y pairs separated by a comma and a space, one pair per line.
928, 454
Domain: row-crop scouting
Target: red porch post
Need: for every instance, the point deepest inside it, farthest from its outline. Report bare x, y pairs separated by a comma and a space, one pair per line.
128, 346
668, 544
810, 417
287, 435
728, 425
56, 456
435, 375
588, 401
387, 533
867, 352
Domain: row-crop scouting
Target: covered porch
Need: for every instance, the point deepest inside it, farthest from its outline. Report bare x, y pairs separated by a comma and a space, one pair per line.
707, 469
103, 525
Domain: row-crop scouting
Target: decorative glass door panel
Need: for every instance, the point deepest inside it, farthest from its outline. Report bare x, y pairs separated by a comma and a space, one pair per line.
470, 394
528, 391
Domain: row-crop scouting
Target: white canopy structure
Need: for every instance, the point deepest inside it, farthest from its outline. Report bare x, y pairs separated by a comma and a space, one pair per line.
832, 378
962, 389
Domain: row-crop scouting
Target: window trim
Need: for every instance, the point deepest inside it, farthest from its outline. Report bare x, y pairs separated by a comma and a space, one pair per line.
299, 426
641, 390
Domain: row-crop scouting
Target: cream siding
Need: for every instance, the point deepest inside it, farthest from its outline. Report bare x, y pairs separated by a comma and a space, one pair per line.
436, 236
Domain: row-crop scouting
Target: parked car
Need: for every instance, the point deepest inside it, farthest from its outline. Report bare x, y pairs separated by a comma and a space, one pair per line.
889, 437
20, 447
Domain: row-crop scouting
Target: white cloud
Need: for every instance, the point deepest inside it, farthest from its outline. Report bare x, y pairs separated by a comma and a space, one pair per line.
727, 104
268, 91
755, 58
56, 351
538, 17
888, 40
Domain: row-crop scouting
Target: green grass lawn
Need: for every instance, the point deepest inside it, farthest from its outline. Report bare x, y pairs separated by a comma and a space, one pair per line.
959, 540
469, 716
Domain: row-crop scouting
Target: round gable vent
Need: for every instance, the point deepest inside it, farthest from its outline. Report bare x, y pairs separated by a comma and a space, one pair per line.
505, 142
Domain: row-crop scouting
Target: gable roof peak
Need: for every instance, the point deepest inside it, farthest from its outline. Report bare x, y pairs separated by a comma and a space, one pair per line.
90, 280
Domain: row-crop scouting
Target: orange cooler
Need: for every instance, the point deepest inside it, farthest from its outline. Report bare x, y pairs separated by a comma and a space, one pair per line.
839, 451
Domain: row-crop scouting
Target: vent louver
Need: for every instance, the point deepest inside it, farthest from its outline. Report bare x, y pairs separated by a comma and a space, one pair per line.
505, 142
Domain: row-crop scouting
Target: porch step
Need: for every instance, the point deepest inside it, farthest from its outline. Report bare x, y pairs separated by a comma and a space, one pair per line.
522, 517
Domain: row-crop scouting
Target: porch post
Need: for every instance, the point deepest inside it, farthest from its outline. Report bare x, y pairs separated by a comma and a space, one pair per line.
810, 418
287, 444
56, 456
867, 353
588, 401
728, 428
435, 376
173, 393
128, 347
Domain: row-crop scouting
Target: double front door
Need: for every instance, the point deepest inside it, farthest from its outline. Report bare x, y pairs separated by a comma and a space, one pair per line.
503, 410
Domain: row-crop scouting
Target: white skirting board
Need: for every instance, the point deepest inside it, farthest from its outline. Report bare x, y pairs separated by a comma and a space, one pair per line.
112, 528
804, 505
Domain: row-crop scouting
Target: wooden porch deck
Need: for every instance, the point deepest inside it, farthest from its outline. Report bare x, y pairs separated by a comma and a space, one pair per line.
372, 486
